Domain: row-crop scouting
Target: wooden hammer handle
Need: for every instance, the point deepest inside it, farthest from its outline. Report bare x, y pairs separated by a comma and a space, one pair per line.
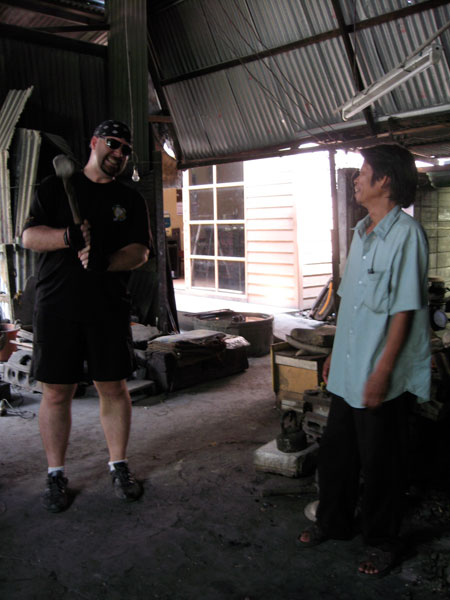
70, 191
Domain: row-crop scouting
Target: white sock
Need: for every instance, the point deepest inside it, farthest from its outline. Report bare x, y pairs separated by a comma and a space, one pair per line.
55, 470
113, 462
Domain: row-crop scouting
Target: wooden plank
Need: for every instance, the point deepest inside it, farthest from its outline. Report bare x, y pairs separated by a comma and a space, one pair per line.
267, 295
270, 236
273, 190
316, 269
318, 280
270, 224
292, 361
272, 281
276, 247
270, 212
263, 257
268, 201
269, 268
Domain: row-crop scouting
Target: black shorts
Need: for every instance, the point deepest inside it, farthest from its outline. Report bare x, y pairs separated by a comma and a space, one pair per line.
61, 346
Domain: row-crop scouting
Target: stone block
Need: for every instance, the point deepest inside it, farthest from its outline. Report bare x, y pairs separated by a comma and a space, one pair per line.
432, 244
293, 464
430, 228
443, 243
433, 262
428, 213
444, 213
443, 259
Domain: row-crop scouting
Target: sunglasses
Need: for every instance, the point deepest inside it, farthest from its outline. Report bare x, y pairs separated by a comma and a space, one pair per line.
115, 145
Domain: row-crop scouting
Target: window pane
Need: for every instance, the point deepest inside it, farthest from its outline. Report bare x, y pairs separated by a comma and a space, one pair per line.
232, 276
230, 203
201, 205
200, 176
230, 172
202, 239
231, 240
202, 273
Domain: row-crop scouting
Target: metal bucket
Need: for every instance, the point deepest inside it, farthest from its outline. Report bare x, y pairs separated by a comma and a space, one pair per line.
256, 328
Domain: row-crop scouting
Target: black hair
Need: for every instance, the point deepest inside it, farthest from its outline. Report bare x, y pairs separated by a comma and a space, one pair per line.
397, 163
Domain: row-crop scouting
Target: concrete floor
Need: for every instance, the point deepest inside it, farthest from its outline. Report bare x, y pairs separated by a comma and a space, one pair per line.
209, 527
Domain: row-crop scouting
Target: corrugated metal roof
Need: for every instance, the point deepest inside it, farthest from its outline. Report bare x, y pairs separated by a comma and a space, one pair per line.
30, 19
279, 100
247, 77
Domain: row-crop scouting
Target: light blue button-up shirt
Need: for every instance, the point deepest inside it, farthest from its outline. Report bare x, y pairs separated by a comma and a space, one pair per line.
386, 273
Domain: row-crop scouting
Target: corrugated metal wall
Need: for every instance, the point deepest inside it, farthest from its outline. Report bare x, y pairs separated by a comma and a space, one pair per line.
9, 115
69, 96
68, 99
28, 145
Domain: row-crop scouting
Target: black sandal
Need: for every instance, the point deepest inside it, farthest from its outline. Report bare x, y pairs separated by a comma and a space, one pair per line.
316, 536
382, 560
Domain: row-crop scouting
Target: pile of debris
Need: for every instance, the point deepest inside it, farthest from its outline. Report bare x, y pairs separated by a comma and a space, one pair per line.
164, 362
301, 397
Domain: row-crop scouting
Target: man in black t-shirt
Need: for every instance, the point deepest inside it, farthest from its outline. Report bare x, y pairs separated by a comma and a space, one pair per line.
82, 308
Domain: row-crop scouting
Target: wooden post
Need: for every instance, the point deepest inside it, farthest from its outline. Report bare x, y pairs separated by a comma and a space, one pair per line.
335, 230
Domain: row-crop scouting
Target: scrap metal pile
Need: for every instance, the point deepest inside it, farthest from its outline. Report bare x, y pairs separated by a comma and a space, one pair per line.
164, 363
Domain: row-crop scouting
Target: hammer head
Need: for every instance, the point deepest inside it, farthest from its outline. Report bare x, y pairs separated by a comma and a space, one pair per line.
64, 166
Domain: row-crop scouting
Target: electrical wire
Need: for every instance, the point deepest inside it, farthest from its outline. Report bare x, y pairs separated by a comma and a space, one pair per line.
7, 410
129, 76
286, 79
265, 89
280, 84
277, 102
135, 176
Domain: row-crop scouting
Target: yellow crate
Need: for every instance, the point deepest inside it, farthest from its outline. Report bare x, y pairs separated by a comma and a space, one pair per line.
291, 374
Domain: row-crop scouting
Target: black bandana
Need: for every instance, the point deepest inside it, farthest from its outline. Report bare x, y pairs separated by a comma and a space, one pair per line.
113, 129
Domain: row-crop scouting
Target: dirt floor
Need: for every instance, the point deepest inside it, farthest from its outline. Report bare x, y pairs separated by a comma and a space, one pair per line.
209, 527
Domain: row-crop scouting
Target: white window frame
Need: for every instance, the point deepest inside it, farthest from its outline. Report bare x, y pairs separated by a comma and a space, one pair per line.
215, 222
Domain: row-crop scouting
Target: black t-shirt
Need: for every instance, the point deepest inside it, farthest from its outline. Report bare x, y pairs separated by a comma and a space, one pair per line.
118, 217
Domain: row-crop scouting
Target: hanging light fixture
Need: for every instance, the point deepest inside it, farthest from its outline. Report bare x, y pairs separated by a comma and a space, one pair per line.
421, 61
135, 176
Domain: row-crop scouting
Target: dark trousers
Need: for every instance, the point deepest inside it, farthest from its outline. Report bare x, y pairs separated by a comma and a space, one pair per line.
372, 443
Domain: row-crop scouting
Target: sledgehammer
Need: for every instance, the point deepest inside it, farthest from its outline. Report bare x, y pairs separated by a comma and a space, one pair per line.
65, 167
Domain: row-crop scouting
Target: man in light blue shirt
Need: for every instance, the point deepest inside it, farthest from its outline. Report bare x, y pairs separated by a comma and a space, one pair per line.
380, 363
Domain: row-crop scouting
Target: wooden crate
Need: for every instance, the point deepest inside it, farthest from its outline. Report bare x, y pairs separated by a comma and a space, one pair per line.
291, 374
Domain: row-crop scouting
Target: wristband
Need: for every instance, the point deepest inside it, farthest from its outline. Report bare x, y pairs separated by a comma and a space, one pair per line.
74, 238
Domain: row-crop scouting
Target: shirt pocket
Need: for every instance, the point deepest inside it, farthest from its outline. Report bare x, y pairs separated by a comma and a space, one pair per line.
376, 296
